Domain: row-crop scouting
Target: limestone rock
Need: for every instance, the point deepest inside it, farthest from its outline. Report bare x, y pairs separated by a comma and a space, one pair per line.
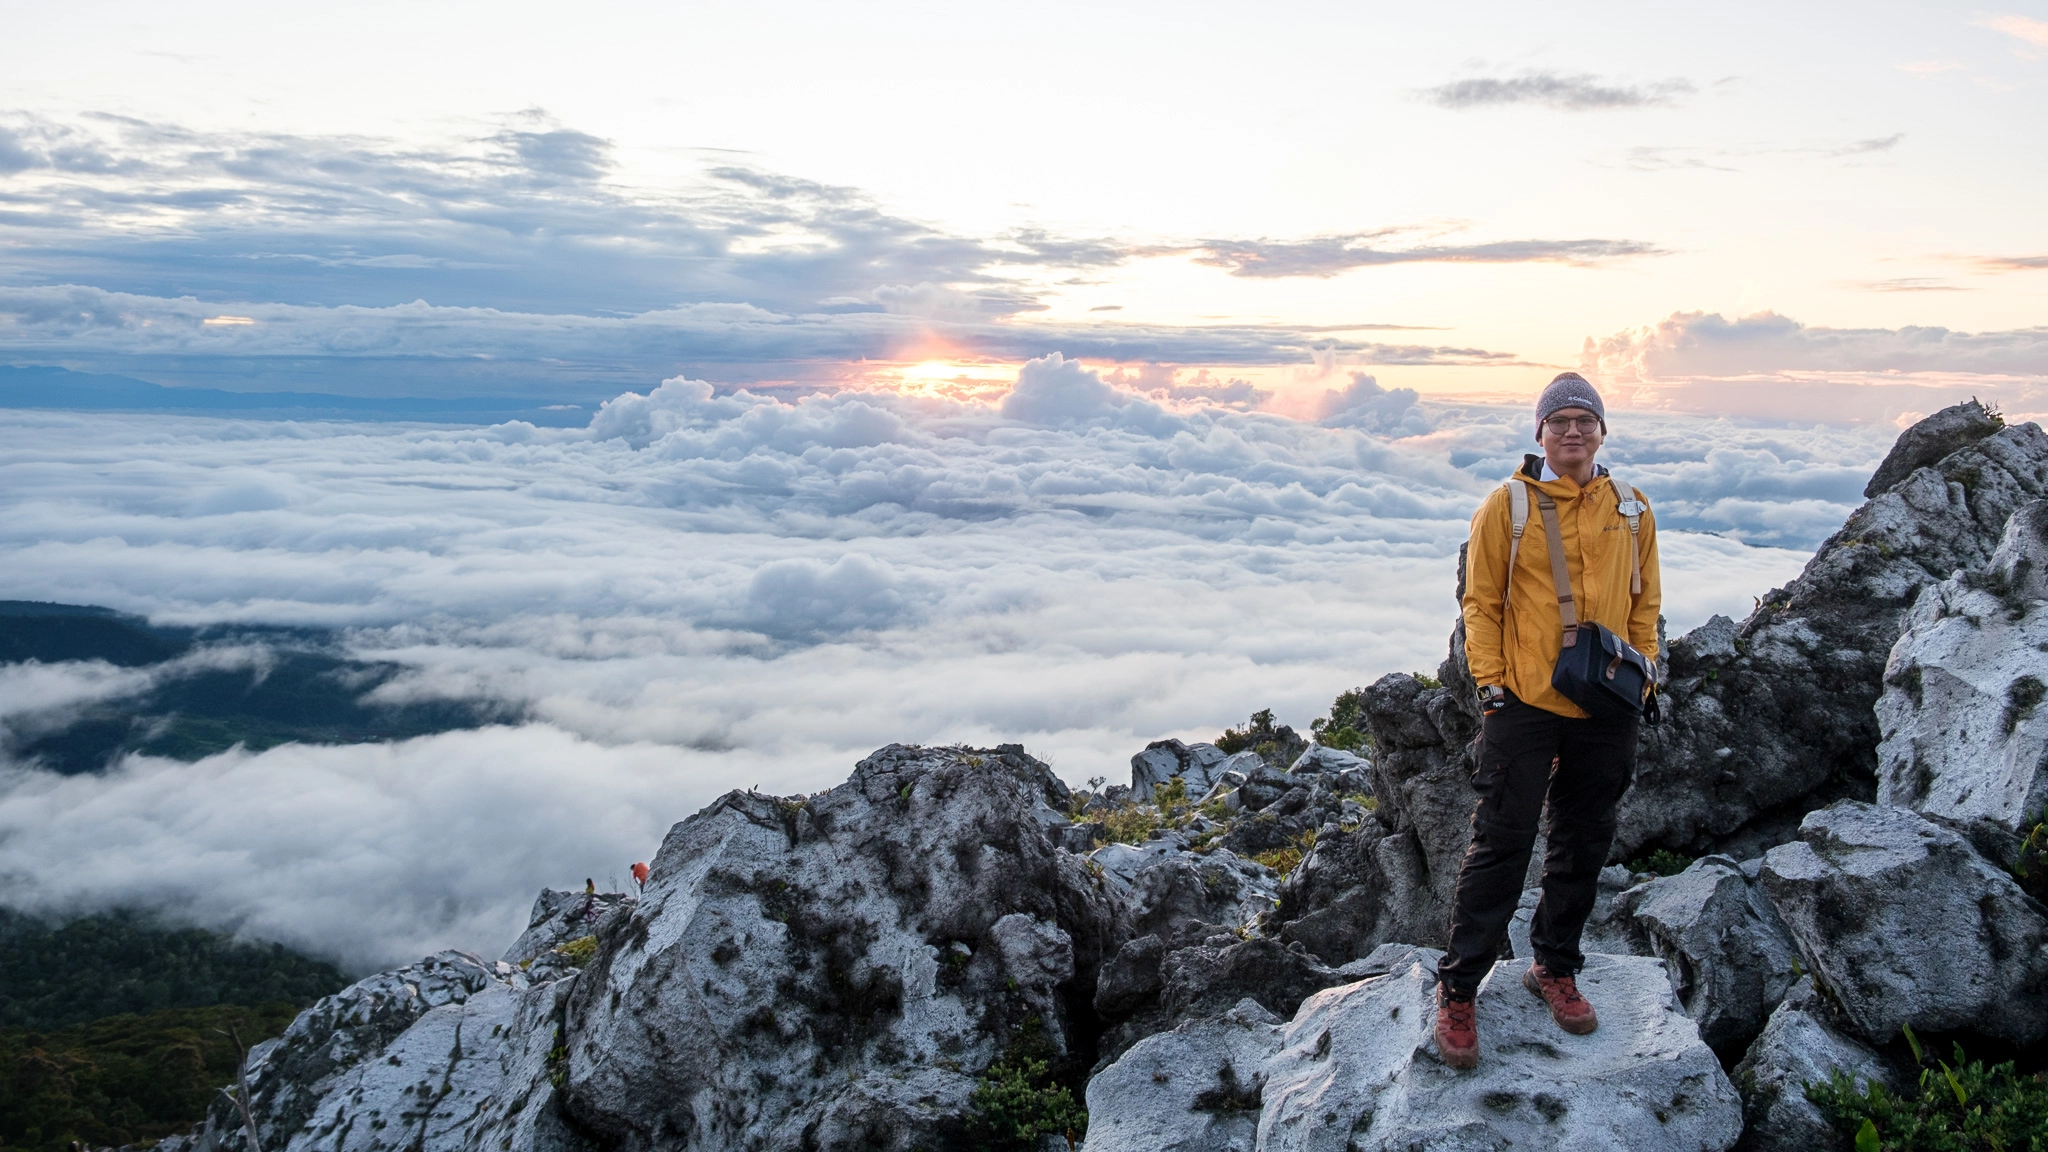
1389, 876
1194, 1089
1198, 764
1329, 761
836, 971
1728, 954
1905, 924
561, 915
1359, 889
1802, 1044
1356, 1069
1776, 719
1927, 441
451, 1052
1180, 894
1965, 736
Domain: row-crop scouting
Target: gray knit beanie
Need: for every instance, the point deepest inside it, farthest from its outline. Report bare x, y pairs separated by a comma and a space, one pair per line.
1569, 390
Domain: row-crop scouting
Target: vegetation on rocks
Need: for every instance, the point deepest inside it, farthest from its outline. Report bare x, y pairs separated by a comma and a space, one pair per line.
1661, 862
1959, 1107
1345, 727
1019, 1102
1276, 744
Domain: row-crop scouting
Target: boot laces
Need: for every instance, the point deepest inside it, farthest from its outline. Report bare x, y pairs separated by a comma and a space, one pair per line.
1462, 1013
1565, 988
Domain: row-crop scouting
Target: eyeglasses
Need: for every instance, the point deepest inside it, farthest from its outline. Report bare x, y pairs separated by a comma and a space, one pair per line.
1559, 425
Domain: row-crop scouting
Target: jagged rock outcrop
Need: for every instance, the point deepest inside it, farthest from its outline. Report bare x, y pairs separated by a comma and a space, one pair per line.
1773, 717
836, 971
1965, 735
1390, 876
448, 1053
1198, 765
1728, 954
1904, 923
1356, 1069
1803, 1043
561, 915
1331, 761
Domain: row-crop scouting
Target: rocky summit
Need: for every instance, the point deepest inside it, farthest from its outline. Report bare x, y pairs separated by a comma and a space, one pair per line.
1839, 826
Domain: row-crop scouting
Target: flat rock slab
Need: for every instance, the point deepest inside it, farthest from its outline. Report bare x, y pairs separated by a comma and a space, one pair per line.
1904, 923
1357, 1069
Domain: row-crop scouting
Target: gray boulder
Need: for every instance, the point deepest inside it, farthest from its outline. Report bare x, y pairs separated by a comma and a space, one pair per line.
1198, 764
1329, 761
1196, 1088
1903, 923
561, 915
1358, 889
1175, 895
1204, 979
837, 971
1774, 717
1803, 1043
1356, 1069
1729, 956
449, 1053
1964, 735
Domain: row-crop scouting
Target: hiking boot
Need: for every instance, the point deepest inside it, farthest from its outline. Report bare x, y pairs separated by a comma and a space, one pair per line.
1457, 1030
1567, 1007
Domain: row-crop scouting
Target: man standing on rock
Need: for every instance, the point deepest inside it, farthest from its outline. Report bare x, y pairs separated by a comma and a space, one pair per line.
1514, 628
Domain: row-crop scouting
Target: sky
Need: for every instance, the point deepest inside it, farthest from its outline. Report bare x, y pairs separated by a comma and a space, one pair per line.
504, 197
1068, 375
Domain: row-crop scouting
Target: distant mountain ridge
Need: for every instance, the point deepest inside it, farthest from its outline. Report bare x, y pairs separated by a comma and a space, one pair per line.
46, 387
296, 686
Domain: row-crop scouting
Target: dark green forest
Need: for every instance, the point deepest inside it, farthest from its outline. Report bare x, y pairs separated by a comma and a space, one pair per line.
302, 689
115, 1029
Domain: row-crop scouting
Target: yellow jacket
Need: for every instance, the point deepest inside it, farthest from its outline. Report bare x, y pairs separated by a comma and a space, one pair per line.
1516, 643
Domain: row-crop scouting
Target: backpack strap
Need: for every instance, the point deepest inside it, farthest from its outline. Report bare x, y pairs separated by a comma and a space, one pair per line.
1518, 515
1629, 503
1560, 574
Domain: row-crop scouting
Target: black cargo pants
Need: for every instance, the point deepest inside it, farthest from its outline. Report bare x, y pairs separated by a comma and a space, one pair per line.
1516, 783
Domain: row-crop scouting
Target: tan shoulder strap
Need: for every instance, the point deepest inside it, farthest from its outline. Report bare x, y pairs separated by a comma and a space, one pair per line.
1518, 517
1560, 573
1630, 504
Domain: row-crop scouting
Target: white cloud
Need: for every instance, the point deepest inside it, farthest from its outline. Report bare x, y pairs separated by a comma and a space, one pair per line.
701, 592
1688, 344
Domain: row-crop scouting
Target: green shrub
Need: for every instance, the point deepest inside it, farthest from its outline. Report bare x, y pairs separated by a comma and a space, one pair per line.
1955, 1108
1344, 728
1287, 858
1662, 862
1130, 824
1276, 744
1019, 1102
580, 950
2031, 870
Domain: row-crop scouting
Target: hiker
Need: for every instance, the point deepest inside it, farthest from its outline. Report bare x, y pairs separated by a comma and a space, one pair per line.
1540, 622
640, 876
588, 914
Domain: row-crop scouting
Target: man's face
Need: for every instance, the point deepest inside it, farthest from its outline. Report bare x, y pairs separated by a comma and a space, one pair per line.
1570, 437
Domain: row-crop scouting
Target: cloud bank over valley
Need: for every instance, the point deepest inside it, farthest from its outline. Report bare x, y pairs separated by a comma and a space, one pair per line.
701, 591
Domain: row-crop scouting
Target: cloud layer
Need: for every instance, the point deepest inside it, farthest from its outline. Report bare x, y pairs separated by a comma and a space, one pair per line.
699, 592
1563, 91
514, 263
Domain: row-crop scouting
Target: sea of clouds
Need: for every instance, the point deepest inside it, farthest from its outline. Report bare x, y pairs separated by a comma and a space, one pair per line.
704, 591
